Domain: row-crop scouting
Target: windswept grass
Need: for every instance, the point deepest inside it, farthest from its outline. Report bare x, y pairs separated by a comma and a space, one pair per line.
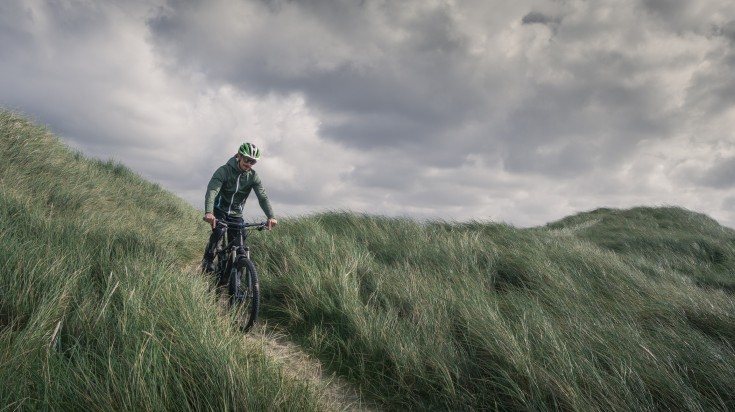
610, 310
96, 309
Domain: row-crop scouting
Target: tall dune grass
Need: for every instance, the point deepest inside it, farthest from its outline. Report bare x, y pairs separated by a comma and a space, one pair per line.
97, 311
612, 310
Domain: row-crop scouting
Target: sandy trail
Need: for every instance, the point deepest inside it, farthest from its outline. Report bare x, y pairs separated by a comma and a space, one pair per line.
338, 395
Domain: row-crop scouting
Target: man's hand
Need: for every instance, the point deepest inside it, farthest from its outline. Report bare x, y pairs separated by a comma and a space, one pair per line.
209, 218
271, 223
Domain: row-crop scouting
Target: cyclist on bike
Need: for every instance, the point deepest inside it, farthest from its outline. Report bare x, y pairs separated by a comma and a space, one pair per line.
227, 191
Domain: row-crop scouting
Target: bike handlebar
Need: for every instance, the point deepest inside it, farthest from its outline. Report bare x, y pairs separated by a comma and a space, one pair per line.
236, 225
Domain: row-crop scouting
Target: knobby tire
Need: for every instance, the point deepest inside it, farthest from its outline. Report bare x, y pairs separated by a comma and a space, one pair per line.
244, 291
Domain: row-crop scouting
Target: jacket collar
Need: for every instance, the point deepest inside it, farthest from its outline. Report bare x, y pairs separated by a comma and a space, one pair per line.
233, 164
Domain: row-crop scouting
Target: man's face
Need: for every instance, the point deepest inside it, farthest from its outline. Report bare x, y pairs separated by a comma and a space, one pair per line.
244, 162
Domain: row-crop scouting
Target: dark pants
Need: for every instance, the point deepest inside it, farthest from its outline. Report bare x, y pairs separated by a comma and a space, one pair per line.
219, 231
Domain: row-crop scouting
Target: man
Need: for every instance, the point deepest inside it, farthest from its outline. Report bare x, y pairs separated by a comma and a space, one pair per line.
227, 191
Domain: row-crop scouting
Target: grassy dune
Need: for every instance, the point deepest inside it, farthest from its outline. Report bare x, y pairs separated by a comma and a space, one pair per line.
96, 310
606, 310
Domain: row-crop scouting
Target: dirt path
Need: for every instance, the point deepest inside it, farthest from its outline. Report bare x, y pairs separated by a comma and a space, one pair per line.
297, 364
338, 395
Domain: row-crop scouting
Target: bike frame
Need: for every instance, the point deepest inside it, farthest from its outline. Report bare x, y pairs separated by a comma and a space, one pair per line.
233, 263
228, 245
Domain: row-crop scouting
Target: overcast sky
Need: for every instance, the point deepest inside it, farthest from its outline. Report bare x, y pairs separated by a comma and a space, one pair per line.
520, 112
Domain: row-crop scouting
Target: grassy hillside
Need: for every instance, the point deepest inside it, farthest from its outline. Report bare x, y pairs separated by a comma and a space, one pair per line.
96, 310
606, 310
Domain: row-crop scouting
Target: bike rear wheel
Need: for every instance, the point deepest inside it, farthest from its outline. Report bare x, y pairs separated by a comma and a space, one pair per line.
245, 293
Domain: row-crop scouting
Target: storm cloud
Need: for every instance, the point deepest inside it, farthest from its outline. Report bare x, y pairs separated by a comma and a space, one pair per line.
522, 112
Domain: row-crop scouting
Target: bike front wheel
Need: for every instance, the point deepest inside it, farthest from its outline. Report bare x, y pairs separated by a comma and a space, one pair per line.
245, 293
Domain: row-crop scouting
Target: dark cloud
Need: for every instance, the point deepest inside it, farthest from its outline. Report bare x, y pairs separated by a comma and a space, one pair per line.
721, 175
424, 86
15, 36
712, 88
668, 10
601, 121
414, 90
728, 31
521, 111
536, 17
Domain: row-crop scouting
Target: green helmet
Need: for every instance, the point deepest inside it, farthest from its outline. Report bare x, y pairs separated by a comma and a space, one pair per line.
249, 150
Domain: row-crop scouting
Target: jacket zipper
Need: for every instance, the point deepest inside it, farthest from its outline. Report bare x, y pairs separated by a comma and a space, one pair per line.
232, 200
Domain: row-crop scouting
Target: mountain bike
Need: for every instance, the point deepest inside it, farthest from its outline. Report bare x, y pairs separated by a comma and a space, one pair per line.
234, 269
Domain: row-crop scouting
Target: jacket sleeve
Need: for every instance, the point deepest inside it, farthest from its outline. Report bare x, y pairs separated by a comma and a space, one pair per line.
213, 188
265, 204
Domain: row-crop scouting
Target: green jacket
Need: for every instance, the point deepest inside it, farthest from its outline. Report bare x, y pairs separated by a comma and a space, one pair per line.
230, 187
